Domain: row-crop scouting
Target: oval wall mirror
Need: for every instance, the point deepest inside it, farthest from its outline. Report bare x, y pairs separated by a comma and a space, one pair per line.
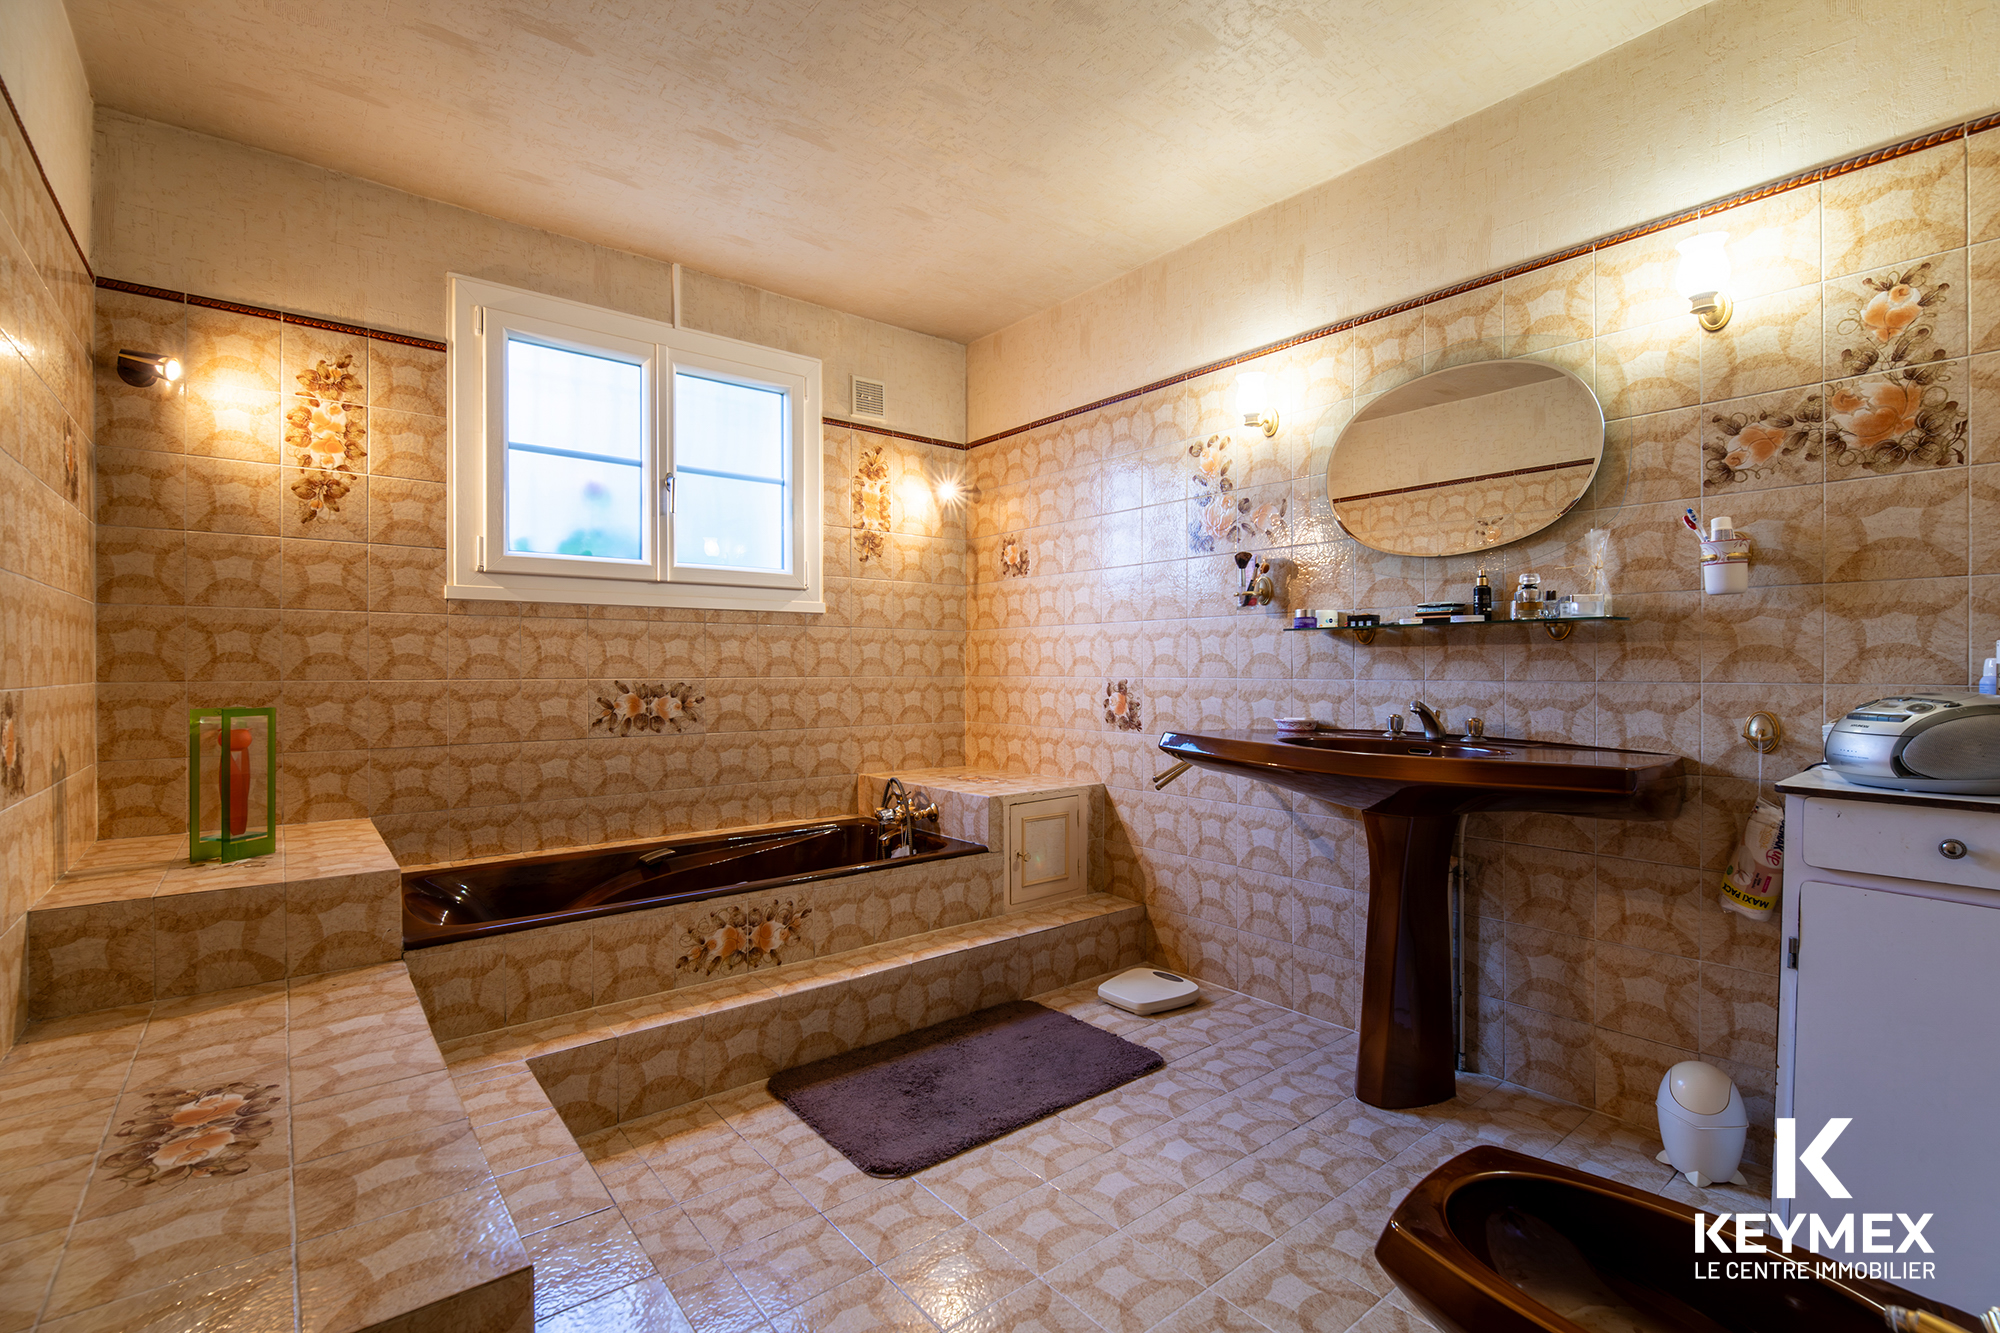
1466, 458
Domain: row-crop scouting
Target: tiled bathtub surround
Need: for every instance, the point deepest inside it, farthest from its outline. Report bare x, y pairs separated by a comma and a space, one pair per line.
1848, 419
640, 1056
479, 985
325, 1175
48, 760
272, 533
134, 920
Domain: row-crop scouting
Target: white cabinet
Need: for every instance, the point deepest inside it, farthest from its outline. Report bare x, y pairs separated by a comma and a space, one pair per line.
1046, 850
1889, 1016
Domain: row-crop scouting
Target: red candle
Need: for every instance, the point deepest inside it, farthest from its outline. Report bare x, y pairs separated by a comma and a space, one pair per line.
239, 780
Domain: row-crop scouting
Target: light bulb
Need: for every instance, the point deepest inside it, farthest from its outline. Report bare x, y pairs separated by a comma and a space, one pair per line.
1253, 400
1703, 277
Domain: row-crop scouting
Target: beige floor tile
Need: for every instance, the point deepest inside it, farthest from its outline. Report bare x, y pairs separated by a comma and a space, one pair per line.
353, 1119
672, 1241
976, 1181
1289, 1292
900, 1216
1034, 1308
356, 1277
253, 1295
1052, 1146
25, 1269
41, 1197
712, 1299
869, 1303
524, 1141
582, 1260
1124, 1285
136, 1250
793, 1265
645, 1306
747, 1207
957, 1273
1209, 1313
552, 1193
1204, 1237
347, 1188
1044, 1227
1118, 1189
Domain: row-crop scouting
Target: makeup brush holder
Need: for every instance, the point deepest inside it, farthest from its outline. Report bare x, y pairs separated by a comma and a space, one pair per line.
1725, 565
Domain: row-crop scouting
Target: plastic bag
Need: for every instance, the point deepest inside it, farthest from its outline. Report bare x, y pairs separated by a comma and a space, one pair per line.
1751, 882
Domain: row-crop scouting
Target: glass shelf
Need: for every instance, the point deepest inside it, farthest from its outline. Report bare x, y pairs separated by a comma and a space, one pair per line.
1559, 627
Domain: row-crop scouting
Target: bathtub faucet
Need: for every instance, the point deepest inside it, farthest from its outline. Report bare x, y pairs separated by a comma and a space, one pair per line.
897, 818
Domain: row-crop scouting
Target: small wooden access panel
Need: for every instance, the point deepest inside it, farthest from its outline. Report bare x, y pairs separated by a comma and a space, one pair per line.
1046, 841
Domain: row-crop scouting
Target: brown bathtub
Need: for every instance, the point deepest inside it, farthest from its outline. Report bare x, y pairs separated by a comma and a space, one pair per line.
1482, 1240
499, 897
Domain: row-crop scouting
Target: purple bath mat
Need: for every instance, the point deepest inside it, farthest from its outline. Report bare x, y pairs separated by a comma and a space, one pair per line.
910, 1102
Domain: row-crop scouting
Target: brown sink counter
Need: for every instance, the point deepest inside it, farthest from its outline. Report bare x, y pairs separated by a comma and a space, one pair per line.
1371, 770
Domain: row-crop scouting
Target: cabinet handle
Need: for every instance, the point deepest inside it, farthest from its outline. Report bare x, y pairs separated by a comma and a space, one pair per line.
1951, 849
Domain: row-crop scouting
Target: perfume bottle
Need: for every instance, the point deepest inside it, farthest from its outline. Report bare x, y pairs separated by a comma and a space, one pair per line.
1482, 597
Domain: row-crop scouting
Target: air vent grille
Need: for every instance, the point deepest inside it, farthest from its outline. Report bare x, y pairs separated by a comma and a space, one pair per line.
869, 398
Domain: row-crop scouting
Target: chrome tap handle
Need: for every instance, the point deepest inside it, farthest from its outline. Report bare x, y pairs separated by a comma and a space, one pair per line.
1395, 724
1475, 727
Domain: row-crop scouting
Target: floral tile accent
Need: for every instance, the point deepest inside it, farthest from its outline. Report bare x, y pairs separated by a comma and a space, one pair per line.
326, 436
13, 770
1217, 513
189, 1133
1013, 556
1756, 447
1121, 705
734, 937
1885, 422
1892, 318
648, 708
871, 505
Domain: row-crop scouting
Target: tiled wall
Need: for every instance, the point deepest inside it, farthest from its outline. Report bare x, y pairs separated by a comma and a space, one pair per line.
1848, 418
48, 801
271, 533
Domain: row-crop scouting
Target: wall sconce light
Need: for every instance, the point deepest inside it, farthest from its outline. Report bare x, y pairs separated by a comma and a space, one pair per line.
1253, 400
1703, 278
142, 370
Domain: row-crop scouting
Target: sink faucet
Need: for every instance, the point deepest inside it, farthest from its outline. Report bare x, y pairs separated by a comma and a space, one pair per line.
1433, 724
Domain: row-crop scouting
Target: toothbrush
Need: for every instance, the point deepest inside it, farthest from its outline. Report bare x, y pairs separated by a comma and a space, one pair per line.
1689, 519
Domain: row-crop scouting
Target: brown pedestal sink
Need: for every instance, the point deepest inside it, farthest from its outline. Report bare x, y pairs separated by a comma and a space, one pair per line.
1411, 792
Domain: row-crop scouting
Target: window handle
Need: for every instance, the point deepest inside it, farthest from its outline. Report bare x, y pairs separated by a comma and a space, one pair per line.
667, 496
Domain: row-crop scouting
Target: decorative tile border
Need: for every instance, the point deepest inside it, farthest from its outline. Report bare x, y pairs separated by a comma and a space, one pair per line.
283, 317
1811, 176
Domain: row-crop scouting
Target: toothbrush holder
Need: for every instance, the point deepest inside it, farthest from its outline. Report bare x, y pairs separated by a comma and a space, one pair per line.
1725, 565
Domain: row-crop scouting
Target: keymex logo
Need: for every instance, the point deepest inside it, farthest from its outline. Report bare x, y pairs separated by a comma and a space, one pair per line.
1874, 1232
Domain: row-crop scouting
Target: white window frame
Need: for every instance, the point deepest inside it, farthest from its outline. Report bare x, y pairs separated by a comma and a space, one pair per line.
479, 568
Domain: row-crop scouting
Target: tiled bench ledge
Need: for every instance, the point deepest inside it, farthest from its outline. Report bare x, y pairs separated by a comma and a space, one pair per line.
135, 921
346, 1187
621, 1061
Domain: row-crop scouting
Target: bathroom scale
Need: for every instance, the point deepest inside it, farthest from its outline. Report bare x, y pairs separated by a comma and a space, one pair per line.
1148, 990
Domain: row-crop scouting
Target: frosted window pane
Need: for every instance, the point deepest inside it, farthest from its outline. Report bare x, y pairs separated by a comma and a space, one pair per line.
723, 427
559, 399
724, 521
574, 506
576, 441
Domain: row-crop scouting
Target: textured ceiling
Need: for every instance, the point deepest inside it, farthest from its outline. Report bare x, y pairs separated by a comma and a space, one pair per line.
946, 167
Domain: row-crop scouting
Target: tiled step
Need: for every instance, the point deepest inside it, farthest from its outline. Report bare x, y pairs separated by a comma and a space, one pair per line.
621, 1061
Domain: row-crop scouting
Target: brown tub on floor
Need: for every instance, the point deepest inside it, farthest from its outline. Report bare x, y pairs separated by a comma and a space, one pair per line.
1494, 1241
